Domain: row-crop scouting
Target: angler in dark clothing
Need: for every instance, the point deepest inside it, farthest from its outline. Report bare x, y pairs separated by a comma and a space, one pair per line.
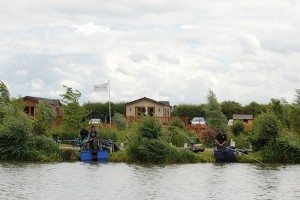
93, 138
83, 134
221, 139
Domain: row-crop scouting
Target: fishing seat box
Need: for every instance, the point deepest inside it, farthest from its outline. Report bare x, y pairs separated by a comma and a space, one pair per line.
102, 156
86, 155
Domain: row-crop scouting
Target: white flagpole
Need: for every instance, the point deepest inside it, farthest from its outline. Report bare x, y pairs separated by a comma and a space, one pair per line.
109, 104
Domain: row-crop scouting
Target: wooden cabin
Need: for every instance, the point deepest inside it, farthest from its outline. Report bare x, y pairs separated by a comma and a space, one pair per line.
146, 106
31, 102
247, 119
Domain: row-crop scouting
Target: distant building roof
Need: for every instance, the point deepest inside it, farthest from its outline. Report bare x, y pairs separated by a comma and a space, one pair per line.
53, 102
236, 116
164, 103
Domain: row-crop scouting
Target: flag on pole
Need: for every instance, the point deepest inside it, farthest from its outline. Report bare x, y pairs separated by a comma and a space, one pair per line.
101, 87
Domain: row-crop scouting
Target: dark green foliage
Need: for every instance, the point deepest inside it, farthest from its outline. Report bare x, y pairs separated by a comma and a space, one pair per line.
294, 116
177, 122
282, 152
119, 121
150, 147
238, 127
44, 118
108, 134
4, 93
149, 127
231, 107
190, 111
265, 130
14, 134
214, 116
41, 148
175, 135
101, 110
254, 109
158, 151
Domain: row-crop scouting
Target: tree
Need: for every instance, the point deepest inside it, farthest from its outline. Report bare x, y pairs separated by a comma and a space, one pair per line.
231, 107
265, 130
254, 108
70, 95
4, 93
4, 99
294, 113
73, 113
214, 116
44, 118
119, 121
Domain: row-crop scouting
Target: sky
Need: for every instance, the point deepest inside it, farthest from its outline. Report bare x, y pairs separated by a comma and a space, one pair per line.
166, 50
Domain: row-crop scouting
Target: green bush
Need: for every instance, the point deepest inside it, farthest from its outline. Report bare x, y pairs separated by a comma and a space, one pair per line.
149, 127
42, 148
265, 130
14, 134
238, 127
282, 152
174, 135
119, 121
177, 122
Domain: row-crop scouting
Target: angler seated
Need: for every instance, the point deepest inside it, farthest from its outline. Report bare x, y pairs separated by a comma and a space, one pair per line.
93, 138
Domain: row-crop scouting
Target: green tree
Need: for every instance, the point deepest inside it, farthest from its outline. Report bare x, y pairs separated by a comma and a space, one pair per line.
73, 113
231, 107
294, 113
214, 116
119, 121
238, 127
4, 93
44, 118
4, 99
265, 130
254, 108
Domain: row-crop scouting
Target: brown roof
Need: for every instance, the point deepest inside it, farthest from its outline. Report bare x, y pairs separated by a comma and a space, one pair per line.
164, 103
53, 102
236, 116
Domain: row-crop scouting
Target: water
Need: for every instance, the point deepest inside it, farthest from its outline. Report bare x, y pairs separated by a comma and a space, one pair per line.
78, 180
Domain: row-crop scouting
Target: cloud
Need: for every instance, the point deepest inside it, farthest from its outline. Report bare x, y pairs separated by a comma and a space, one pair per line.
37, 84
165, 50
91, 28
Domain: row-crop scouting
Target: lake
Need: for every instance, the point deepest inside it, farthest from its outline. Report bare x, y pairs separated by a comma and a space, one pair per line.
79, 180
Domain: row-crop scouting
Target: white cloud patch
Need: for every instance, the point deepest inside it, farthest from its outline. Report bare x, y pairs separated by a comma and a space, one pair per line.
37, 84
166, 50
91, 28
21, 72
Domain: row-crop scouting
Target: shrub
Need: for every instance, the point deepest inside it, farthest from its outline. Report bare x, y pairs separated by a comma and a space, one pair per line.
174, 135
177, 122
238, 127
149, 127
119, 121
265, 130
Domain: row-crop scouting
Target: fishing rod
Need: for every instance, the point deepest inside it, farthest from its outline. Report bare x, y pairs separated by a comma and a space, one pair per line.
239, 152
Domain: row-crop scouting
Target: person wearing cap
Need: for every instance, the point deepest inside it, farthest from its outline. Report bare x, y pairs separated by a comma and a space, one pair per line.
83, 134
93, 138
221, 139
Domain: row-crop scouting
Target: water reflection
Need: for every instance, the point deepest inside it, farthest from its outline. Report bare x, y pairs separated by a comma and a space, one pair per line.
130, 181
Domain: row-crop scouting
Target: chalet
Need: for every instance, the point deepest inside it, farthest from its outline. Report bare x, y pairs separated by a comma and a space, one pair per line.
247, 119
146, 106
31, 102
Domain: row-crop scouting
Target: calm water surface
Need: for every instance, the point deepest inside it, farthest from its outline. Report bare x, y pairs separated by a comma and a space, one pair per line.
78, 180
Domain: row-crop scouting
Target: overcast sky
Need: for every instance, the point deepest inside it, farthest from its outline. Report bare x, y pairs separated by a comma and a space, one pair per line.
170, 50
